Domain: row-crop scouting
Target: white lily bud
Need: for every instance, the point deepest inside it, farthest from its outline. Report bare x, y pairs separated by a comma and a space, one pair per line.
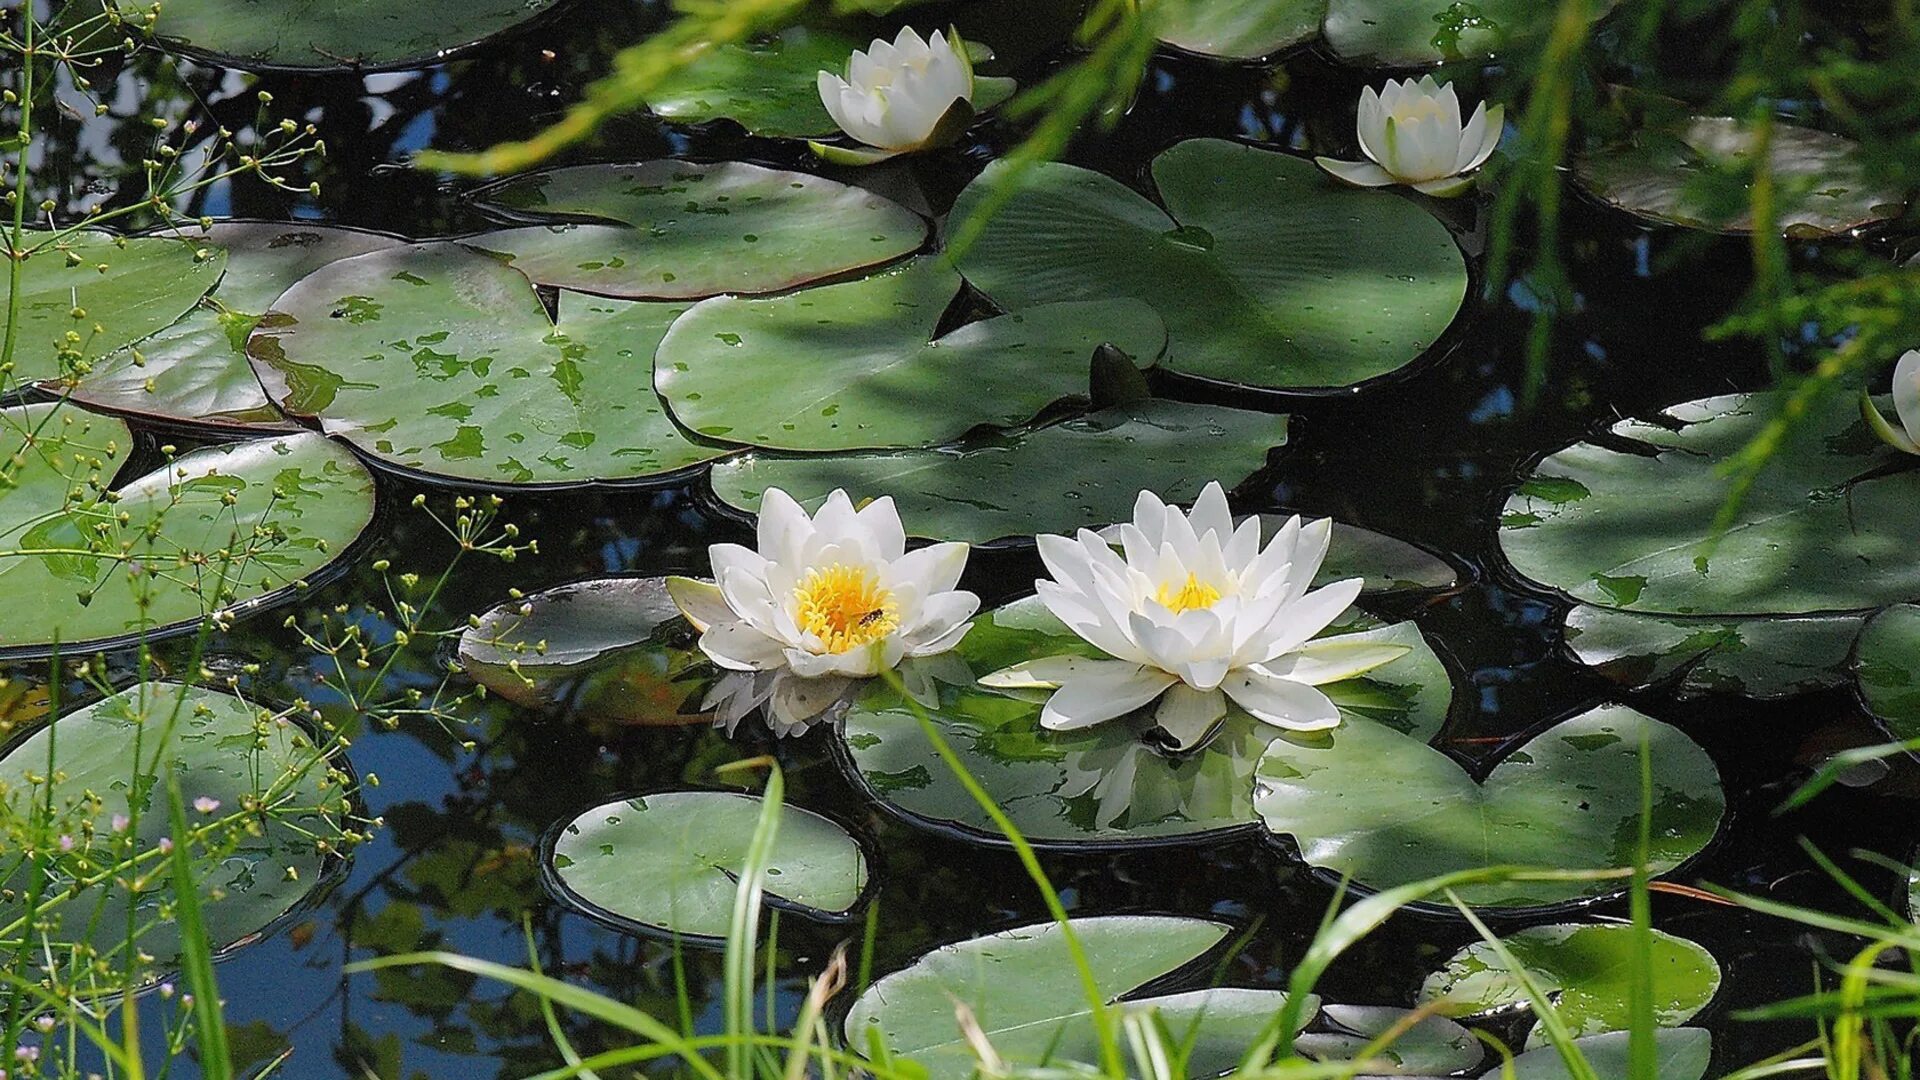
895, 95
1906, 406
1413, 135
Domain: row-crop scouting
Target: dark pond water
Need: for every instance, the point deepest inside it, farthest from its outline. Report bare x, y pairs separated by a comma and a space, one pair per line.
1428, 457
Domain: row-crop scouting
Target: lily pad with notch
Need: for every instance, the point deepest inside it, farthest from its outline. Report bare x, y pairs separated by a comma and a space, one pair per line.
337, 36
1109, 785
856, 365
670, 862
227, 528
1267, 273
1566, 799
438, 359
680, 230
1763, 658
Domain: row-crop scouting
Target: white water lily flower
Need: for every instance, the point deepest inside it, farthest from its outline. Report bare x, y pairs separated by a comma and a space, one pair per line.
1906, 405
835, 597
899, 96
1413, 134
1193, 612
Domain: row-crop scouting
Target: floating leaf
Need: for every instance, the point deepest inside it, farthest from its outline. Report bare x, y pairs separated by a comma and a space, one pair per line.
130, 288
196, 370
1587, 969
1433, 1045
1679, 1054
1828, 527
1568, 799
438, 359
1665, 174
1240, 29
223, 528
1416, 33
671, 862
856, 365
216, 747
339, 34
1023, 988
1267, 272
1085, 472
1888, 667
611, 648
677, 230
1385, 563
1757, 658
1105, 785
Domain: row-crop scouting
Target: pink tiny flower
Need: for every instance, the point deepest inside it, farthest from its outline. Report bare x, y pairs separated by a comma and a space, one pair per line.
28, 1054
44, 1023
120, 822
166, 845
166, 990
206, 804
66, 842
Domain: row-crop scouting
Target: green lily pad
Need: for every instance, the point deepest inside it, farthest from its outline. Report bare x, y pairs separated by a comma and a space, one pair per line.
129, 287
1888, 667
1085, 472
225, 528
856, 366
677, 230
1417, 33
1385, 563
1827, 528
196, 371
1267, 272
339, 34
1104, 786
1569, 798
671, 862
1586, 969
612, 648
1434, 1045
218, 747
1240, 29
1680, 1054
1024, 990
1758, 658
441, 360
1665, 175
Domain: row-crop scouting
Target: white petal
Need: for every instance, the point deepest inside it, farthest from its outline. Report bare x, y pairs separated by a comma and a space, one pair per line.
737, 646
1490, 139
934, 569
1326, 660
1306, 617
783, 529
1210, 513
1103, 695
1150, 517
1449, 109
1050, 672
1446, 187
943, 617
700, 601
882, 522
798, 702
1281, 702
832, 88
1087, 620
1187, 714
1906, 393
1370, 124
1358, 173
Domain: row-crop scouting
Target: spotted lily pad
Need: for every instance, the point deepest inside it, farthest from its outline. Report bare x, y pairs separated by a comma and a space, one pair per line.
1758, 658
1586, 969
1569, 798
219, 748
1434, 1045
857, 366
441, 360
1888, 667
1239, 29
1024, 990
677, 230
671, 862
129, 288
225, 528
611, 648
1085, 472
1267, 272
196, 370
1106, 785
1665, 174
1679, 1054
1417, 33
337, 34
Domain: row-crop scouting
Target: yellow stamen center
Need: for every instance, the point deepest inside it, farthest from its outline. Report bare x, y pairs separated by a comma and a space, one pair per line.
845, 607
1188, 597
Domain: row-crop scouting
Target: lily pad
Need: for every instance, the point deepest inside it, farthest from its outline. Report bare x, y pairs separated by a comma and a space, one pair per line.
1434, 1045
1664, 175
359, 34
671, 862
218, 747
1104, 786
1569, 798
1386, 564
856, 365
1240, 29
1888, 667
129, 287
225, 528
1267, 273
1024, 990
196, 371
441, 360
678, 230
1827, 528
611, 648
1586, 969
770, 85
1085, 472
1758, 658
1680, 1054
1417, 33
